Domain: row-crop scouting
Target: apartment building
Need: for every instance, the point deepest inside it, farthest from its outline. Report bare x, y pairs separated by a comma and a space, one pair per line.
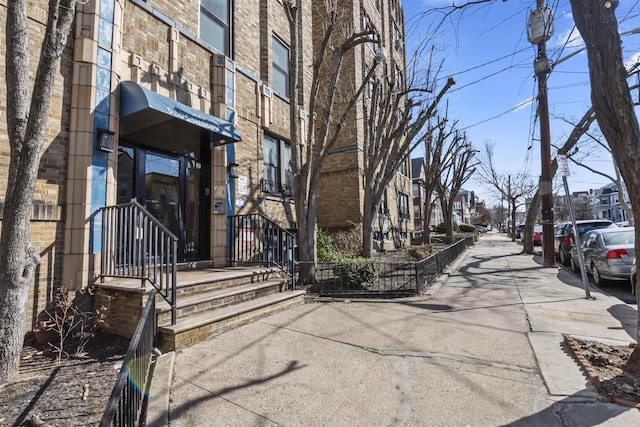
182, 106
341, 198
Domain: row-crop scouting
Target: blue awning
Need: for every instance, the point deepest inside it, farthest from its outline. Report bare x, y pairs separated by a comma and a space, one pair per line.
143, 108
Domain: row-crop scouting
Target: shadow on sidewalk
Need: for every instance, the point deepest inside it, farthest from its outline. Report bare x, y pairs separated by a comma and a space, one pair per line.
628, 318
573, 410
182, 410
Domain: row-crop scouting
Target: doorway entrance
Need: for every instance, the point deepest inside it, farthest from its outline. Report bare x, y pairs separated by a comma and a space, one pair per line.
170, 186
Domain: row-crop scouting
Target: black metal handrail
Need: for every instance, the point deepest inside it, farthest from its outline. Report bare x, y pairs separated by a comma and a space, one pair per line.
125, 404
136, 245
389, 280
256, 239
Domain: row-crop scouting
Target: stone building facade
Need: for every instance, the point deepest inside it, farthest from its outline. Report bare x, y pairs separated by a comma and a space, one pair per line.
154, 101
341, 198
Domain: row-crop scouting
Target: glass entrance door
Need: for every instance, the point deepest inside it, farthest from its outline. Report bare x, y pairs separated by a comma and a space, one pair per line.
162, 191
169, 187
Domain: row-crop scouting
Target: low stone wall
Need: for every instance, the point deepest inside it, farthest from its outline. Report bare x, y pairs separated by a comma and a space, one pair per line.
120, 307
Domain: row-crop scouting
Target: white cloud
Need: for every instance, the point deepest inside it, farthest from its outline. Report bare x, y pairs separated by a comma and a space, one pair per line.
569, 38
633, 61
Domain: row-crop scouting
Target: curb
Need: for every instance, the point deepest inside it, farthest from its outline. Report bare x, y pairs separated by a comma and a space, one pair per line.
594, 379
159, 391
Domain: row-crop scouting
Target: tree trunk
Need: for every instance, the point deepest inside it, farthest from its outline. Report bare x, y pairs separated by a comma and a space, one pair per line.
513, 219
612, 103
26, 122
367, 232
527, 240
12, 325
447, 211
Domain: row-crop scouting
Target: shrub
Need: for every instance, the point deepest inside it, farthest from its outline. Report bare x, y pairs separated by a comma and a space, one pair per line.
354, 271
467, 228
326, 249
440, 228
419, 252
349, 242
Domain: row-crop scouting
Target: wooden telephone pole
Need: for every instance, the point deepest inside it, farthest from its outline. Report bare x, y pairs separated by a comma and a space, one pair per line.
540, 29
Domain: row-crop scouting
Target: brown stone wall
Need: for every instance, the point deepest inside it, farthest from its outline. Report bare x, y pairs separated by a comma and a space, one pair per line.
119, 310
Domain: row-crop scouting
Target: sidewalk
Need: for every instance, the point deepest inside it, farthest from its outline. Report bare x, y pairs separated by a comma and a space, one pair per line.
483, 348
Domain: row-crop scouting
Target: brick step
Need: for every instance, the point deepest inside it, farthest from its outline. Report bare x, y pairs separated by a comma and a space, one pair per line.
193, 303
199, 327
210, 279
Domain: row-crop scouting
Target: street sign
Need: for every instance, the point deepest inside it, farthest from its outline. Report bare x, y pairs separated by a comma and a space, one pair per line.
563, 166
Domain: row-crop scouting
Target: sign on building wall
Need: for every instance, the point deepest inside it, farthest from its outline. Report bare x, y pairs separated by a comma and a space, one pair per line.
219, 206
243, 185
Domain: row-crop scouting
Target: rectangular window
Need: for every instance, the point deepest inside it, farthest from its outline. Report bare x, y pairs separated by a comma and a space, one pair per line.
280, 68
416, 190
416, 212
368, 25
404, 168
277, 176
215, 16
403, 206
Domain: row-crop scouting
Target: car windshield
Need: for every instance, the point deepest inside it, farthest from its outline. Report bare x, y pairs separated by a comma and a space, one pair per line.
626, 237
583, 228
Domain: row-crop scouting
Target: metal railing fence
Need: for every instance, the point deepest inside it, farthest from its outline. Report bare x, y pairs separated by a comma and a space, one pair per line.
372, 278
125, 404
256, 239
136, 245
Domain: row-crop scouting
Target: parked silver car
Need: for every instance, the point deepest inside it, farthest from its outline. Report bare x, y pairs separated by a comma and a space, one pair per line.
632, 277
608, 253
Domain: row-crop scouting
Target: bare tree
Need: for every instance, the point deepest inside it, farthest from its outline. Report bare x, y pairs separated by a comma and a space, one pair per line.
616, 180
513, 188
26, 121
329, 110
484, 216
395, 115
436, 151
618, 122
458, 167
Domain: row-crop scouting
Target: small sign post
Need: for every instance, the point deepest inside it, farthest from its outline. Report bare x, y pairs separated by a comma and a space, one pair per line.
563, 168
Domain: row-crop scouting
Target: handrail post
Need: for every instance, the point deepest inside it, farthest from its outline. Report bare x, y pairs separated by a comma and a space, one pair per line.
174, 274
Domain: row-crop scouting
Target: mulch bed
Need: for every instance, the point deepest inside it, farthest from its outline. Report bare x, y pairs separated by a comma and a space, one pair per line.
73, 392
604, 367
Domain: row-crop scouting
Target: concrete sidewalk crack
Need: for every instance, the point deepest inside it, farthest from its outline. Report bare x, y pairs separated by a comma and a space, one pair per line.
444, 358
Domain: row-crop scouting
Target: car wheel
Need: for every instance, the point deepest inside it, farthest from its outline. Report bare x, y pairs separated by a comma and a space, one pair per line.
597, 279
564, 258
574, 266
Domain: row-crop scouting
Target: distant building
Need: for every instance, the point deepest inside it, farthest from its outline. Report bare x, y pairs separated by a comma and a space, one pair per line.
420, 223
605, 203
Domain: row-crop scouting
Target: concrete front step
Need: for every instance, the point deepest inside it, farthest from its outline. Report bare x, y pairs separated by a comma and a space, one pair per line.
197, 328
201, 281
194, 303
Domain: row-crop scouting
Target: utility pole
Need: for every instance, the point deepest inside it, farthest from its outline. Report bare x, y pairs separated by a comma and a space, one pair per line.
512, 208
540, 29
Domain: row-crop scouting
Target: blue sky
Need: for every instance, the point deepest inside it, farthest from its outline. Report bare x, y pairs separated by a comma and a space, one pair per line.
485, 49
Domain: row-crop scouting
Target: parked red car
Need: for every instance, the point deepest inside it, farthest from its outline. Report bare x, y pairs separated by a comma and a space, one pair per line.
537, 234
